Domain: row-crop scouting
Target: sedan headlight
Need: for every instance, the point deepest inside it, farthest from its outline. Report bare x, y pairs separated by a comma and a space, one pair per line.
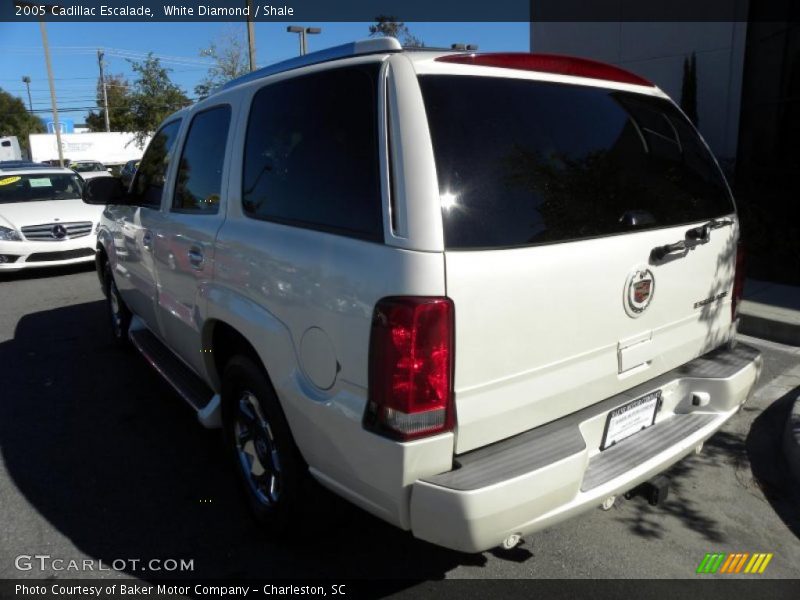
9, 235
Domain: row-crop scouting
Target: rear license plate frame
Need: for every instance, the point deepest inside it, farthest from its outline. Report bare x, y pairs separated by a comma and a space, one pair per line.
641, 413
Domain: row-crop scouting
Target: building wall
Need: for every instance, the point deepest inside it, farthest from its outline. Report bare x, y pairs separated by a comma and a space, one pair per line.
769, 153
657, 52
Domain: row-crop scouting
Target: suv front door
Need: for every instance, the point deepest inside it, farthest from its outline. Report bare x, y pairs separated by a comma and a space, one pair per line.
184, 244
134, 224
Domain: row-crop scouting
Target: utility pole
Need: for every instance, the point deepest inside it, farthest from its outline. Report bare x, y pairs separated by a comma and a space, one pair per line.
56, 124
251, 35
100, 55
27, 81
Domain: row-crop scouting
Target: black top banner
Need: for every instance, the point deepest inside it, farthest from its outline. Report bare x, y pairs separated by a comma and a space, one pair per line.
403, 10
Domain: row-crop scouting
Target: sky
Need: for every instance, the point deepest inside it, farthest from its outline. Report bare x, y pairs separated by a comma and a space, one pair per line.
73, 49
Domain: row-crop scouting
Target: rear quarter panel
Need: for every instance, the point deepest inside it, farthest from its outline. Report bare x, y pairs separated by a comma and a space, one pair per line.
275, 284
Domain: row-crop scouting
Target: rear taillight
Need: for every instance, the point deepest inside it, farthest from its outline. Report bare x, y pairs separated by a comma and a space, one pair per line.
738, 282
411, 367
548, 63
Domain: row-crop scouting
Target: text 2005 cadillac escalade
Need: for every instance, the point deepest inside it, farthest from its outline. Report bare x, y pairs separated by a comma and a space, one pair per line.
474, 294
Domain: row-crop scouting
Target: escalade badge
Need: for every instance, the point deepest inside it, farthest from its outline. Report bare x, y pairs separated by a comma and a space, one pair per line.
639, 290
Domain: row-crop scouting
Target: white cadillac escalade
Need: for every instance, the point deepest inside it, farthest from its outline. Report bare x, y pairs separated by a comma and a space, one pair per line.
474, 294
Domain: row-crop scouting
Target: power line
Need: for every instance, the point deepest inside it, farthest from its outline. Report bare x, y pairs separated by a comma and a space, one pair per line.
54, 78
93, 49
95, 107
15, 79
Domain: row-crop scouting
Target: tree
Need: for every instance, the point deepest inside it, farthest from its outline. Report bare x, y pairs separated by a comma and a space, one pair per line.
119, 105
231, 60
689, 89
154, 97
16, 120
390, 27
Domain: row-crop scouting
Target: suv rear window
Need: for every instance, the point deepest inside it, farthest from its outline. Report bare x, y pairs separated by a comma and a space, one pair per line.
524, 162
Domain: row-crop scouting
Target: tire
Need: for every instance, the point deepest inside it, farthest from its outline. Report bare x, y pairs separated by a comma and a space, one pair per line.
119, 315
272, 474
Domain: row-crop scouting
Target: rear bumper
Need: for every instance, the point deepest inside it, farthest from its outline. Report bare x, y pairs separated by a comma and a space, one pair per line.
548, 474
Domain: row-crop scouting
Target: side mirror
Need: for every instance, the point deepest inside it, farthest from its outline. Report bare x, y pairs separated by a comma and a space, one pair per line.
104, 190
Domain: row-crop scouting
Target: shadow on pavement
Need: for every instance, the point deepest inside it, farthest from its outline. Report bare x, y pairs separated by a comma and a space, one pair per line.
769, 462
755, 457
723, 449
41, 272
108, 455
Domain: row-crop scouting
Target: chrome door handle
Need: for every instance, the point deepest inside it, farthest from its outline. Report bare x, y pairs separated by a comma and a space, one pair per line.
196, 258
147, 240
660, 252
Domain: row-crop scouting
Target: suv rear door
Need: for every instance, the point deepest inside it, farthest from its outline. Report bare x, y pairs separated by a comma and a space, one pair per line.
554, 197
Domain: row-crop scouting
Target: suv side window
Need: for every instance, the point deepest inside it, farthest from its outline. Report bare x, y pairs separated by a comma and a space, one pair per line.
148, 186
199, 181
311, 154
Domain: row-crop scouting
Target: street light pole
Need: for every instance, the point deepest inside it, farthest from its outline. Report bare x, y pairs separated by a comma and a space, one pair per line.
302, 31
27, 81
100, 55
310, 31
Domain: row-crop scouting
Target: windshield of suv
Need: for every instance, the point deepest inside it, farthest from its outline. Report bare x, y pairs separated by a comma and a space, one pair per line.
87, 167
525, 162
39, 187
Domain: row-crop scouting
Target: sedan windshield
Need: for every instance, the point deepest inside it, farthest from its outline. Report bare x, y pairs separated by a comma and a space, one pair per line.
39, 187
87, 167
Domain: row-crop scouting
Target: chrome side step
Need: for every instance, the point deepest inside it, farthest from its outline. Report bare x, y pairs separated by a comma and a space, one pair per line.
188, 385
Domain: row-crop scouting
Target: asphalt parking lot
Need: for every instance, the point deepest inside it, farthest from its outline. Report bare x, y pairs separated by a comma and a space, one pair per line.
100, 460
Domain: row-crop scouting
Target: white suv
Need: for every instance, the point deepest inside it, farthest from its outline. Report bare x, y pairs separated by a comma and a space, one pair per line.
474, 294
43, 221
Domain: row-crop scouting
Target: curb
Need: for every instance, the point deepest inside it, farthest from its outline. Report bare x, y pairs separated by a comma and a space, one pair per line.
770, 329
771, 311
791, 439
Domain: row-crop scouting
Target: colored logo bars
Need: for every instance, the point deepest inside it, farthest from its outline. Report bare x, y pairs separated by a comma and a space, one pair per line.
737, 562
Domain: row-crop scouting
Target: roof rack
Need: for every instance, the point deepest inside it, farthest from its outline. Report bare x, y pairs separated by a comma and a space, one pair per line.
359, 48
451, 48
426, 49
463, 47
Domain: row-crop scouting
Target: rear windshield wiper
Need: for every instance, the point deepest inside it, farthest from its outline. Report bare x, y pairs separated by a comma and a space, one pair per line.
703, 233
699, 234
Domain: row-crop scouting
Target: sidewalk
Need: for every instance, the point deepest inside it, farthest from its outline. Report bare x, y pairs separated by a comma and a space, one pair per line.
772, 311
